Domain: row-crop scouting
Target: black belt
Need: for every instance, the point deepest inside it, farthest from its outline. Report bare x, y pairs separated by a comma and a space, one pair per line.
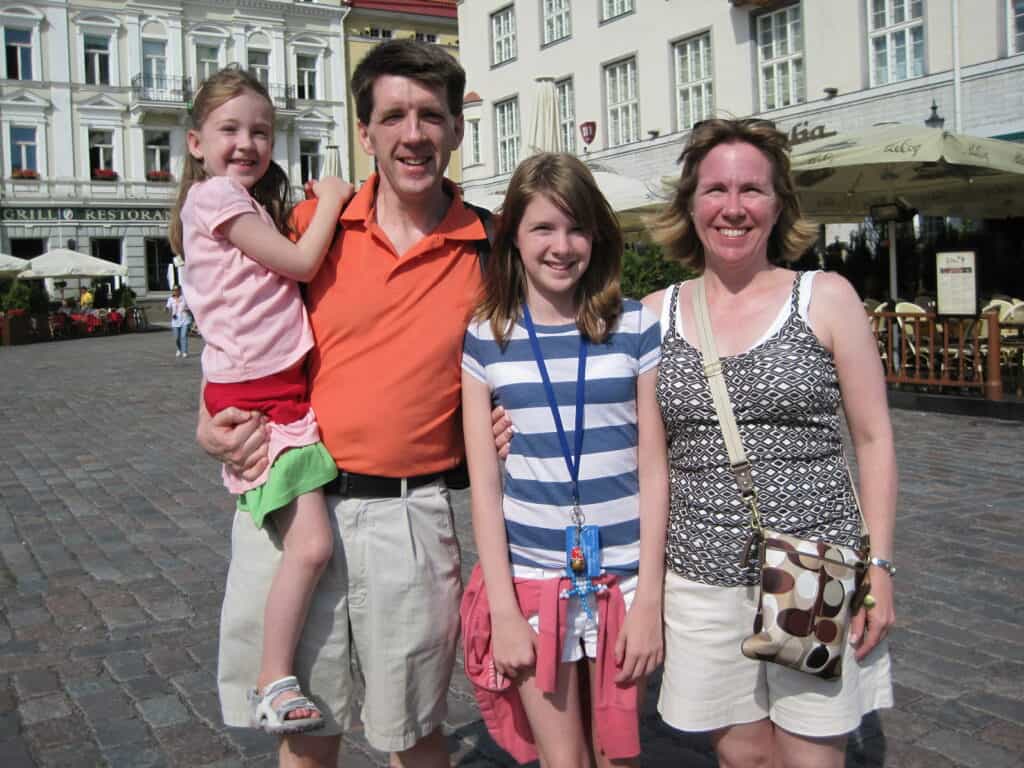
353, 484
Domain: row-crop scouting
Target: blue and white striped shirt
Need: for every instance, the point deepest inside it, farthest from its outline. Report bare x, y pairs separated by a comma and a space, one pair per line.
537, 490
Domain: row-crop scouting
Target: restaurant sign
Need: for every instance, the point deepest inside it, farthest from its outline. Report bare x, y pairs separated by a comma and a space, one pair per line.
80, 214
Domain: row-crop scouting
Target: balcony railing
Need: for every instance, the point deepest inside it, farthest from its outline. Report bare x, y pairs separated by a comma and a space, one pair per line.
282, 95
160, 88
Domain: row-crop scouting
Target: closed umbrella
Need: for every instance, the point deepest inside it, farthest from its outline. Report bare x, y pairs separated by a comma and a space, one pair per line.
543, 136
332, 161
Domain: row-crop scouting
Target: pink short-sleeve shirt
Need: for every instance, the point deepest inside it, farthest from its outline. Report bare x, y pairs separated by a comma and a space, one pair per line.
253, 320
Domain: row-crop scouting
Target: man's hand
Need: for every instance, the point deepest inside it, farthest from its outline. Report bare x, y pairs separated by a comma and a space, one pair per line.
236, 437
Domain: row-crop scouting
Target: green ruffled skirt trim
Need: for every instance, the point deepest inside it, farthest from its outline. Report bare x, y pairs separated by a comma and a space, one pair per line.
295, 472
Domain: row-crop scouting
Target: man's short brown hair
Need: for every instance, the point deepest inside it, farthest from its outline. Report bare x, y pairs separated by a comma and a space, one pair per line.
426, 63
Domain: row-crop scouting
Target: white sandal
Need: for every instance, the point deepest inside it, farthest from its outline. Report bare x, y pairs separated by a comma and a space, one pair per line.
275, 719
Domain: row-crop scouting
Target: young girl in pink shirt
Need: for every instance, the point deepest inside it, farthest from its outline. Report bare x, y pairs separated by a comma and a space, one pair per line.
241, 278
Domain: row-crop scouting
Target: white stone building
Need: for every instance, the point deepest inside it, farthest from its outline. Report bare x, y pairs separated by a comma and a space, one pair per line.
94, 98
643, 71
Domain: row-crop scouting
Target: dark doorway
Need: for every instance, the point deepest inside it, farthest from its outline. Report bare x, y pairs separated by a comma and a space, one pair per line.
108, 249
161, 274
27, 247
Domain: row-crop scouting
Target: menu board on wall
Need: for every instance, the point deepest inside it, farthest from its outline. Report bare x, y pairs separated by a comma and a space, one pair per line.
956, 283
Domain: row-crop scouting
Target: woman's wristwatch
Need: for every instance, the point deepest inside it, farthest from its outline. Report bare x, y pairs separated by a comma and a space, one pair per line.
885, 564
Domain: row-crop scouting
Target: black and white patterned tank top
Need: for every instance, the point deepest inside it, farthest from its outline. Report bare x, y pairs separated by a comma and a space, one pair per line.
785, 394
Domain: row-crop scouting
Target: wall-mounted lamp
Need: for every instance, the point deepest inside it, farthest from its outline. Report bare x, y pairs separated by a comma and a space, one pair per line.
935, 120
830, 92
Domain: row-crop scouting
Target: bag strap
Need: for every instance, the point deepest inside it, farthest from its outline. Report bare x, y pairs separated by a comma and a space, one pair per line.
483, 247
738, 463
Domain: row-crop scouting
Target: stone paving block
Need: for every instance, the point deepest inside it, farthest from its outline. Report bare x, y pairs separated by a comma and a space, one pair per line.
116, 732
16, 754
9, 726
105, 706
40, 708
251, 742
1007, 708
171, 661
143, 755
127, 665
1009, 736
147, 687
970, 751
59, 732
35, 682
951, 714
76, 756
191, 744
163, 711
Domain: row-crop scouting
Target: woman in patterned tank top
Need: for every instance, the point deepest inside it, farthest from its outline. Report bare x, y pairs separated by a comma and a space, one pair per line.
789, 358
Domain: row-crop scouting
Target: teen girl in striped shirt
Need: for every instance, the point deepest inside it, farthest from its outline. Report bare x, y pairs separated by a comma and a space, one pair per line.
571, 529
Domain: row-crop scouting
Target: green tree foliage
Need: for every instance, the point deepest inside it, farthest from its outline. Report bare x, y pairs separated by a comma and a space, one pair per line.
645, 270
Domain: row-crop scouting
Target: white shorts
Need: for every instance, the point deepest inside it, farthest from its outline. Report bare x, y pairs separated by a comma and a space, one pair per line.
708, 684
580, 631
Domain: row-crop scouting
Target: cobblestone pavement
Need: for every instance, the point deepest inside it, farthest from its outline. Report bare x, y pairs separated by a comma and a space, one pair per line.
113, 552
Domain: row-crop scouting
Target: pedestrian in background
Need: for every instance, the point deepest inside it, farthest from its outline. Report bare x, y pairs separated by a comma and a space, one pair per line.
181, 321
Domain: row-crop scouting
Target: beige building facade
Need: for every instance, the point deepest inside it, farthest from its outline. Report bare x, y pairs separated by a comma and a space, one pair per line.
640, 73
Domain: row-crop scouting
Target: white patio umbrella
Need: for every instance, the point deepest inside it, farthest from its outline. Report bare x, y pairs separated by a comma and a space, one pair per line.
936, 172
62, 262
11, 265
543, 136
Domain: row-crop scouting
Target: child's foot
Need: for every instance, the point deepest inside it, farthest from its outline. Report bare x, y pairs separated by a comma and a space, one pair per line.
280, 707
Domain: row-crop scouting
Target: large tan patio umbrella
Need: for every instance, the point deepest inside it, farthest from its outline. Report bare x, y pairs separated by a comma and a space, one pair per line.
62, 262
11, 266
887, 169
543, 136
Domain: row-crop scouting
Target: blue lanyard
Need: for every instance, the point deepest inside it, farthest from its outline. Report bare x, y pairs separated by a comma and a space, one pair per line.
573, 465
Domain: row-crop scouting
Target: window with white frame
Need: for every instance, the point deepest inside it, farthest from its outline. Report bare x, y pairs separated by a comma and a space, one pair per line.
309, 159
18, 53
565, 100
473, 142
158, 153
101, 150
503, 35
207, 60
506, 124
97, 60
623, 102
1016, 8
695, 97
896, 40
23, 149
259, 65
780, 53
154, 64
557, 20
305, 72
612, 8
426, 37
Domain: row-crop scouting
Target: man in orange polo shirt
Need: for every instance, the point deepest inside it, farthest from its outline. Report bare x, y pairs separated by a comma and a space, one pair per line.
388, 308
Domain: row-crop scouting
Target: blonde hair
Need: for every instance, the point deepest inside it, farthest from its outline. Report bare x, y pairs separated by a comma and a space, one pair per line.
272, 191
568, 183
673, 226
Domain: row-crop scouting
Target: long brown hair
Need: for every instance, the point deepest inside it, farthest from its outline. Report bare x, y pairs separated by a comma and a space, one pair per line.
673, 226
272, 191
569, 184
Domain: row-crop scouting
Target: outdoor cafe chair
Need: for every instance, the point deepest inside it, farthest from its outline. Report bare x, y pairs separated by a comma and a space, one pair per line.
916, 334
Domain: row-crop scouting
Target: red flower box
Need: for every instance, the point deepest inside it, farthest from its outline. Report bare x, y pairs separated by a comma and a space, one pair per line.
163, 176
104, 174
24, 173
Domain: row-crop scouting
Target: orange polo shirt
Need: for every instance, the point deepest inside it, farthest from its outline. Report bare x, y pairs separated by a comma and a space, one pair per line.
385, 374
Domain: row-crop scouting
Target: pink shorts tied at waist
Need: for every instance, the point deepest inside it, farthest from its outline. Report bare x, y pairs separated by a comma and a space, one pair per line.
296, 434
616, 720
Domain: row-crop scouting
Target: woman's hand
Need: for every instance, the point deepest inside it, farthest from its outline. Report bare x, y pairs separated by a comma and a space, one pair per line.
513, 644
640, 648
870, 626
501, 426
236, 437
331, 189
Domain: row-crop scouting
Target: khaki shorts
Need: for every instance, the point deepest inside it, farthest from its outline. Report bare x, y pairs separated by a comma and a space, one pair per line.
394, 583
708, 684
